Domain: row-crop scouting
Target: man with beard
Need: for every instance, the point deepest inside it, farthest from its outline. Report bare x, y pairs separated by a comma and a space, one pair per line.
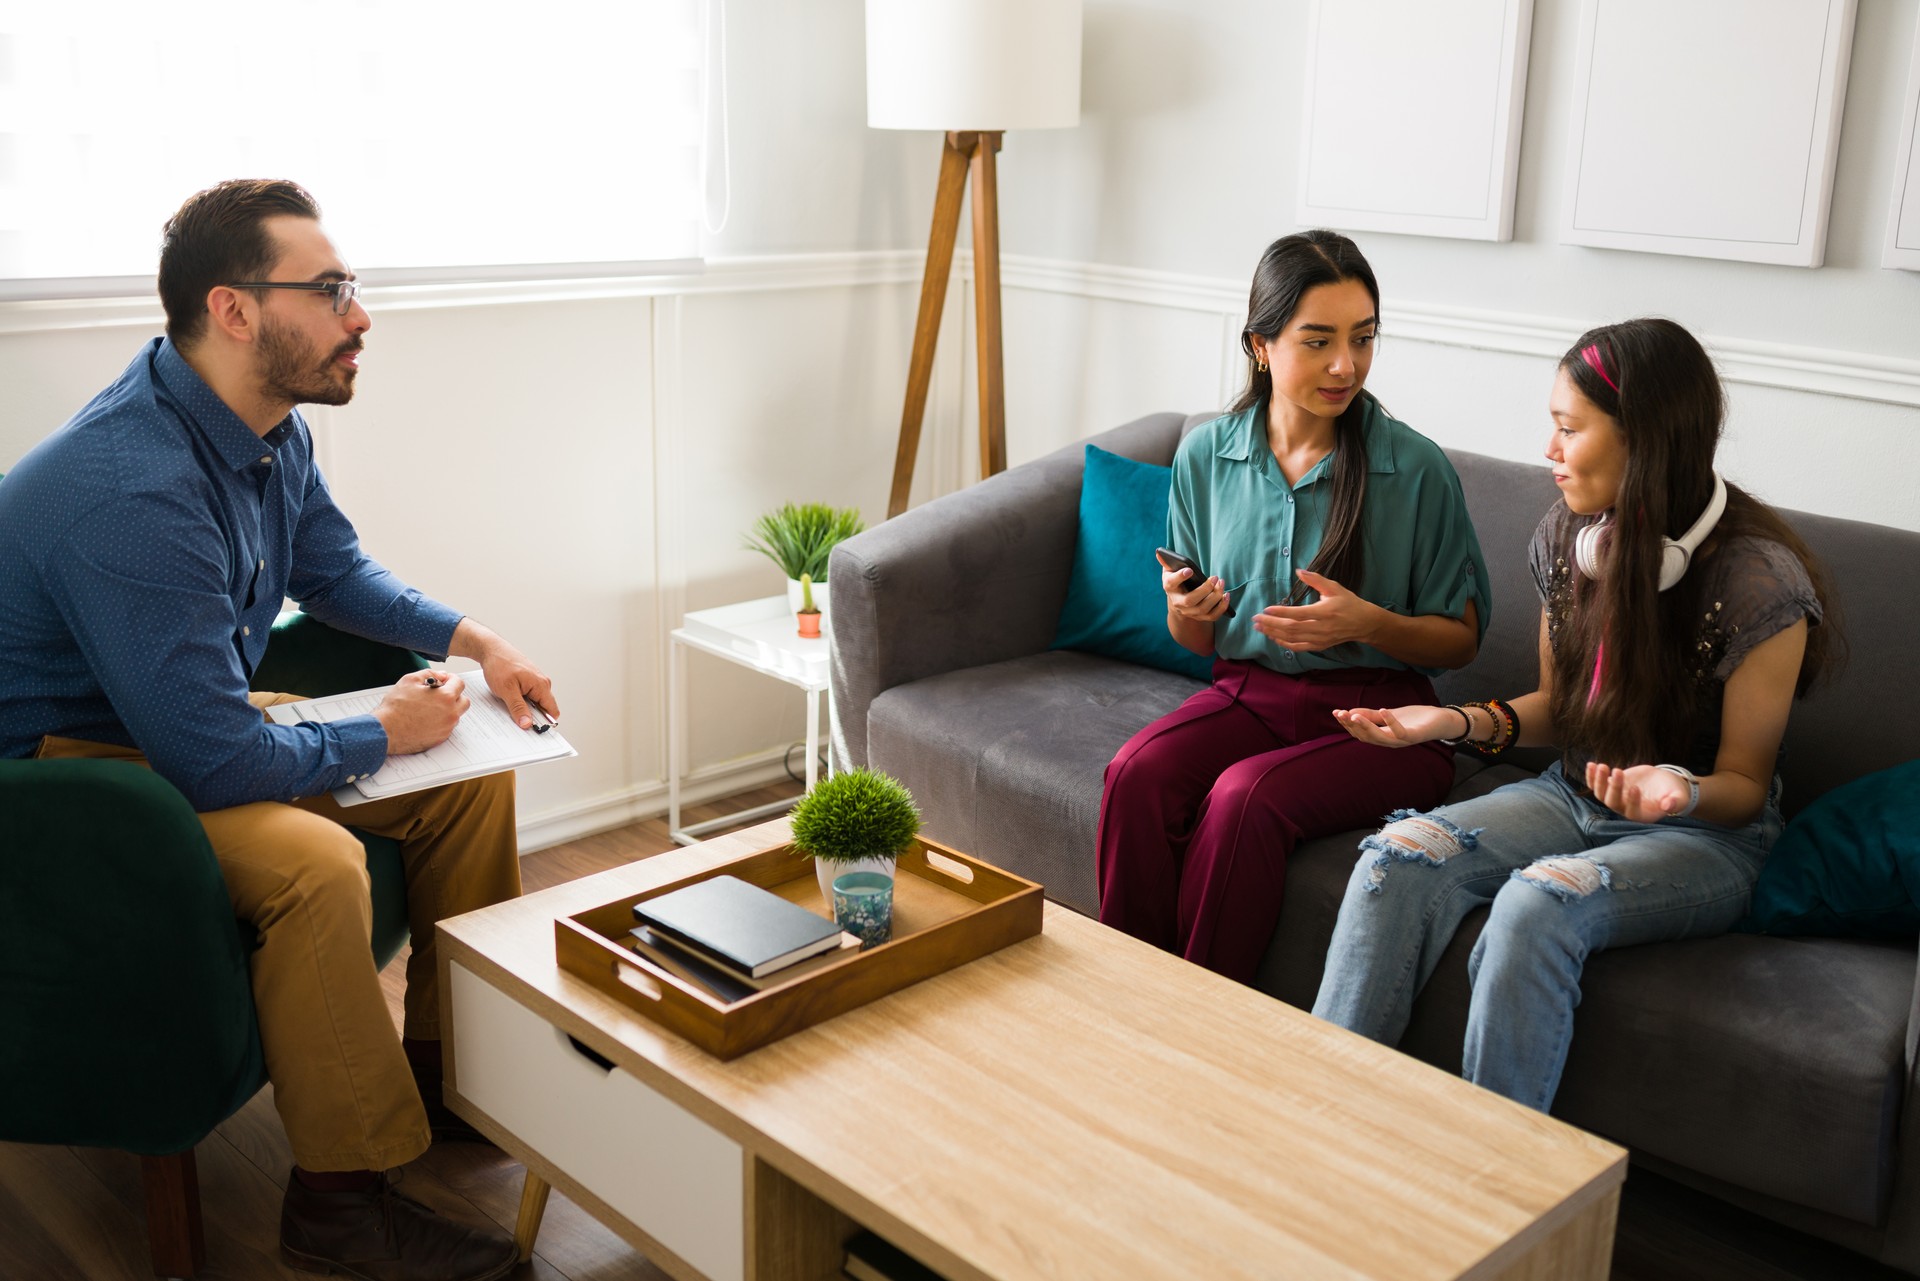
145, 549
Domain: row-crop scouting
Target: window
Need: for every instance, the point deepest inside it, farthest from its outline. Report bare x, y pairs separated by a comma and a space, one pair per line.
443, 140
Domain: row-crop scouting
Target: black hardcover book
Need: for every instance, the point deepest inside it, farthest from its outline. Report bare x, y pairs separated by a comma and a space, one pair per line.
690, 963
754, 931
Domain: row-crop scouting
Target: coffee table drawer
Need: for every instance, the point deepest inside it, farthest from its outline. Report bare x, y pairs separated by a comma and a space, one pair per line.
654, 1163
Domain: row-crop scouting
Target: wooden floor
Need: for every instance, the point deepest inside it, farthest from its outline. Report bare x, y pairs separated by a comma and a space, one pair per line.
75, 1213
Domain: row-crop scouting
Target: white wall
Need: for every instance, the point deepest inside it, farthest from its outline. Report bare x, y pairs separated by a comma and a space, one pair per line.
575, 465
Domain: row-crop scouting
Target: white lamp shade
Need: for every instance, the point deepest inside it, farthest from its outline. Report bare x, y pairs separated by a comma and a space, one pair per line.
973, 64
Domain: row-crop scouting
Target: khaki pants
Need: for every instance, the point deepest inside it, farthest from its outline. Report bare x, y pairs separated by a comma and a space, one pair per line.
341, 1081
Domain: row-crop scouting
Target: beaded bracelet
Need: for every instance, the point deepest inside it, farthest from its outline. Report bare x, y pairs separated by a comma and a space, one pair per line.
1501, 713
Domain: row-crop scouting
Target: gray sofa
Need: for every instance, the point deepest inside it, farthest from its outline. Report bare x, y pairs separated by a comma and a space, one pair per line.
1771, 1072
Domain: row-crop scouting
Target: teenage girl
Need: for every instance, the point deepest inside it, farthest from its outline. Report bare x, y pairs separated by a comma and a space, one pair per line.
1680, 618
1340, 570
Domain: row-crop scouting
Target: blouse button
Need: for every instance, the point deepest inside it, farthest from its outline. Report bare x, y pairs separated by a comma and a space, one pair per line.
246, 631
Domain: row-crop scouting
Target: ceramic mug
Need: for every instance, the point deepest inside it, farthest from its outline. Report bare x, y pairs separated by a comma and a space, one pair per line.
863, 906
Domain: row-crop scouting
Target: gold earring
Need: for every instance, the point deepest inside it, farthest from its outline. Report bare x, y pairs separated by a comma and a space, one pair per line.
1260, 365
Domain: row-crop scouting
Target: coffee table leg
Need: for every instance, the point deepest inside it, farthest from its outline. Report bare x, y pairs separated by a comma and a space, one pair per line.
533, 1204
791, 1233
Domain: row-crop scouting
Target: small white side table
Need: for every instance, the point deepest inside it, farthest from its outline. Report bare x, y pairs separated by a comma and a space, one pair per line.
759, 634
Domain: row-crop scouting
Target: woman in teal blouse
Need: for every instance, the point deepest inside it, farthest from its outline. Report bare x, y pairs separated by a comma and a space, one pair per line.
1340, 565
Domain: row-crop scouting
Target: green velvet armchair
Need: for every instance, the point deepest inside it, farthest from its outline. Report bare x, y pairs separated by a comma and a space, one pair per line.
126, 1014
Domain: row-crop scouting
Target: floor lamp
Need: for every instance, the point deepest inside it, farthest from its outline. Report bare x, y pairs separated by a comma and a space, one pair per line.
972, 69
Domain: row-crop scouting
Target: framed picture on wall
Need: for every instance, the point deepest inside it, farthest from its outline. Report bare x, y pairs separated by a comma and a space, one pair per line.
1707, 128
1412, 116
1903, 223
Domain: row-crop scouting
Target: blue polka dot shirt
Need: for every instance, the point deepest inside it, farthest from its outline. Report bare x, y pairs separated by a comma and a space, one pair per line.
145, 550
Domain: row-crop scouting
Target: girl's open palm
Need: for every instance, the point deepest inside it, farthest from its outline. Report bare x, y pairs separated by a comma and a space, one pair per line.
1398, 726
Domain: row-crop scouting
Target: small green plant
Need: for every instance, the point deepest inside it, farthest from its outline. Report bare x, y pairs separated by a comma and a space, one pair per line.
798, 537
857, 814
806, 595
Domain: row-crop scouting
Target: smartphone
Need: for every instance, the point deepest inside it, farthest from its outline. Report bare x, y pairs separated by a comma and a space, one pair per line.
1174, 560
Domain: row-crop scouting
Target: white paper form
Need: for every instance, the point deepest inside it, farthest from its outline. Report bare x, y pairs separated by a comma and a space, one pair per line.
486, 741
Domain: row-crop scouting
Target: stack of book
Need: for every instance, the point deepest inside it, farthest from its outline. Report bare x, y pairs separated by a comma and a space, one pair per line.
730, 936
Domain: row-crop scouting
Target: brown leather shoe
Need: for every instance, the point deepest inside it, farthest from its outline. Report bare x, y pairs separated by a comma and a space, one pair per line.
380, 1235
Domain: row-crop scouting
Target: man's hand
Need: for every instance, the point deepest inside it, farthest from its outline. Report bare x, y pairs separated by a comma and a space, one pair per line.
418, 715
509, 673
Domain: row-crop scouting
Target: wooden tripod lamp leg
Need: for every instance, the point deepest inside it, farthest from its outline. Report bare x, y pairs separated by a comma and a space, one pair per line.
933, 297
986, 300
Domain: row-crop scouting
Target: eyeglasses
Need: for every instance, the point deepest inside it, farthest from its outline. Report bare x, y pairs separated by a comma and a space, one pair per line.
344, 291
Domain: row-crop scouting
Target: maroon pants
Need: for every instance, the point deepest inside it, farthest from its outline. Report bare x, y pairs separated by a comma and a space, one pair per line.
1202, 807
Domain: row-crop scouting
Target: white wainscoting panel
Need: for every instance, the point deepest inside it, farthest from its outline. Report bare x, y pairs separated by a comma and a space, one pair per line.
1411, 120
1077, 366
1708, 128
500, 459
1903, 221
790, 395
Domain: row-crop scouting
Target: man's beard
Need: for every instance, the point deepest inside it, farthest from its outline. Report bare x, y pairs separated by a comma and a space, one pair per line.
293, 370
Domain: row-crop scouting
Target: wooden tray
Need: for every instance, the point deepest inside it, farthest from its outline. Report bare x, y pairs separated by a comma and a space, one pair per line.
948, 909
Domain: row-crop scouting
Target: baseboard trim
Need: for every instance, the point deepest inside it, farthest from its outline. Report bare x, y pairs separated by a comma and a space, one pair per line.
649, 800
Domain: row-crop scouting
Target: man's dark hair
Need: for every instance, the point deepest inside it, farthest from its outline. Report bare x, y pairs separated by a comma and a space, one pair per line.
217, 237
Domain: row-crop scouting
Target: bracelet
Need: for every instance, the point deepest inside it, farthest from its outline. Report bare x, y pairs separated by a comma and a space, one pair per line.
1466, 735
1506, 727
1693, 789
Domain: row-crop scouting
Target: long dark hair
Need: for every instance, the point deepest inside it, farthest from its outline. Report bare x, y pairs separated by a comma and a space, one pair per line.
1667, 403
1291, 266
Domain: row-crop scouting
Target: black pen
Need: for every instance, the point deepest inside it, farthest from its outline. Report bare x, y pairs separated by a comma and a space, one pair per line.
432, 682
542, 722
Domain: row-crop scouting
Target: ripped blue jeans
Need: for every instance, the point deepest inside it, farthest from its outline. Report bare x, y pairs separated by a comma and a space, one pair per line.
1566, 876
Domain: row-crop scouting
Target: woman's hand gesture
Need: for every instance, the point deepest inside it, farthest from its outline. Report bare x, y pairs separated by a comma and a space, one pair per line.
1643, 793
1203, 603
1337, 617
1399, 726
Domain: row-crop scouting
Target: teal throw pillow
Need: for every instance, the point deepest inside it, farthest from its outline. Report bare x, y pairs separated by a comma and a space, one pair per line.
1848, 865
1114, 603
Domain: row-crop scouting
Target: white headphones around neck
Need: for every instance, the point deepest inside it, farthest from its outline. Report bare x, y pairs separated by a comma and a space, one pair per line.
1676, 554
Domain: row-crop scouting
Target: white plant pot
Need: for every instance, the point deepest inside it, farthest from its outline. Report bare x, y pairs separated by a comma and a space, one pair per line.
827, 869
819, 597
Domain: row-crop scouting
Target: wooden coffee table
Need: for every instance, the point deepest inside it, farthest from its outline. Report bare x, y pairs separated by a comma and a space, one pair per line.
1076, 1105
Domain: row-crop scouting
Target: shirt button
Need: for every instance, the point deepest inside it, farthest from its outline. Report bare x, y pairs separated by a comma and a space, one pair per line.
1289, 497
246, 631
266, 460
1286, 551
263, 562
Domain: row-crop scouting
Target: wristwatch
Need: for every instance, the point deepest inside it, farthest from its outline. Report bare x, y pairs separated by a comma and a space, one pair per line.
1693, 788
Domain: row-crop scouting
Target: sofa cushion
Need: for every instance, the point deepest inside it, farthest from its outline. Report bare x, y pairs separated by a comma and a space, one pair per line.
1006, 760
1848, 864
1115, 606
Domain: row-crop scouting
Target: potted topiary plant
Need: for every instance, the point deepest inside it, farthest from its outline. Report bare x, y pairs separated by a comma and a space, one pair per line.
856, 821
799, 537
